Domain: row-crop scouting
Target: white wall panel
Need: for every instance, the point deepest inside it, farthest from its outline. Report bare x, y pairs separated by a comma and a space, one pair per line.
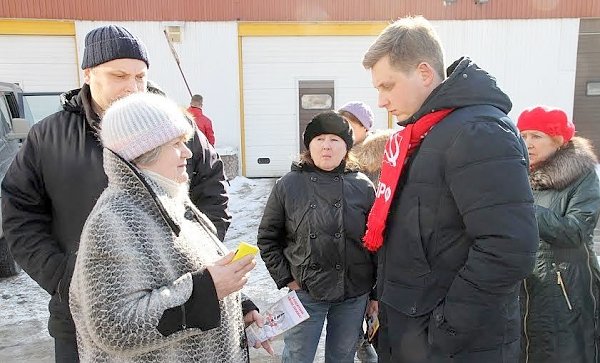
272, 67
533, 61
39, 63
209, 58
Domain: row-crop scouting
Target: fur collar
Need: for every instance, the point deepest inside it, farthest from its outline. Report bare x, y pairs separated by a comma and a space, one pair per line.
564, 167
369, 154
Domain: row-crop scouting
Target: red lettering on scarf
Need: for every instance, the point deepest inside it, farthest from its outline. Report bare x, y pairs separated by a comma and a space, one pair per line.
397, 150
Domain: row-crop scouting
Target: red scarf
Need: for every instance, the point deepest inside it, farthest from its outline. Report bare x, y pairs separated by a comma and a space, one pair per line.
397, 150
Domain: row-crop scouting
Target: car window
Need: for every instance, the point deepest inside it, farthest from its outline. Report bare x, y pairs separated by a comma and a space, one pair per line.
13, 105
8, 148
4, 116
38, 106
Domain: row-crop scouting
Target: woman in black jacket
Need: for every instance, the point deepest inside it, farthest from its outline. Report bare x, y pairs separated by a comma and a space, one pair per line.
559, 299
310, 238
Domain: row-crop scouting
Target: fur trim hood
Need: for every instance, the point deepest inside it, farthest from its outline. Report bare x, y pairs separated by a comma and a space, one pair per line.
567, 165
369, 153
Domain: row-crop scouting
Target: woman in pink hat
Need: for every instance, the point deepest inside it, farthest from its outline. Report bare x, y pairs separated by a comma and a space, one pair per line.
560, 298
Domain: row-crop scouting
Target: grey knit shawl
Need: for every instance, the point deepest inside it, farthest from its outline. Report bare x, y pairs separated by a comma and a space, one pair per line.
131, 267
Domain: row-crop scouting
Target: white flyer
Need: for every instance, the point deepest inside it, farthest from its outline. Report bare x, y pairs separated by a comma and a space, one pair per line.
286, 313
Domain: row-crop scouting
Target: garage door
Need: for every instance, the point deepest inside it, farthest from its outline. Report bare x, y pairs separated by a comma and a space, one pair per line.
39, 63
273, 69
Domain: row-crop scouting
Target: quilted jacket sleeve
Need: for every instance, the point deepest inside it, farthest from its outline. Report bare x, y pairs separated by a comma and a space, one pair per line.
271, 238
207, 183
577, 225
27, 218
487, 175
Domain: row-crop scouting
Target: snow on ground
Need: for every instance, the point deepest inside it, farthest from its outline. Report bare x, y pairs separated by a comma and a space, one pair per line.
23, 321
24, 305
247, 202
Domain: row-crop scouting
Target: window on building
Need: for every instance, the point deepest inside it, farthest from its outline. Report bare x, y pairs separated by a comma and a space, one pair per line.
316, 102
593, 89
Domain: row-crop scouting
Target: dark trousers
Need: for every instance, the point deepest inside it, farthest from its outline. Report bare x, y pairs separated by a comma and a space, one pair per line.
65, 351
403, 339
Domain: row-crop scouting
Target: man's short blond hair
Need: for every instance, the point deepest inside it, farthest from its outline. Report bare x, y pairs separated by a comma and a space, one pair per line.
408, 42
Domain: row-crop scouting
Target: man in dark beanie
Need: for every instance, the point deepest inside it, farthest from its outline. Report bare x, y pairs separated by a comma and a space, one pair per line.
115, 64
112, 42
57, 176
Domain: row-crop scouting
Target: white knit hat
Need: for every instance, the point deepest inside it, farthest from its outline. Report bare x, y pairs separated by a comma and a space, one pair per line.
141, 122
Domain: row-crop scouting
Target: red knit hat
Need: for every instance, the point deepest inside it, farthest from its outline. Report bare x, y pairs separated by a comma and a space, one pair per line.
549, 120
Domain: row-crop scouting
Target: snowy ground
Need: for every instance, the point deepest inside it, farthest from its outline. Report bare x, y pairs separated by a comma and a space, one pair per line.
24, 306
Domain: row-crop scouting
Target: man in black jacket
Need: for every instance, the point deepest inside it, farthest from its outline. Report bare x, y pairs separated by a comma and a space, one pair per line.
453, 221
57, 176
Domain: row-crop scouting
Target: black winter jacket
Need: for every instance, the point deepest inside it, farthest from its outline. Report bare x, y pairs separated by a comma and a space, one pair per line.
53, 184
461, 232
560, 298
311, 231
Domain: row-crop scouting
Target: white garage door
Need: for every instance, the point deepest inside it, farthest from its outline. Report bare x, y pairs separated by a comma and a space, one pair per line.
272, 69
39, 63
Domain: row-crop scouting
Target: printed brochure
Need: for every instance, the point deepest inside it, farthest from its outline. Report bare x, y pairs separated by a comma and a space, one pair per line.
286, 313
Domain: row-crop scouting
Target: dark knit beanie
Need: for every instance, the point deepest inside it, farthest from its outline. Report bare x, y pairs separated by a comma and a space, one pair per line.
109, 43
328, 122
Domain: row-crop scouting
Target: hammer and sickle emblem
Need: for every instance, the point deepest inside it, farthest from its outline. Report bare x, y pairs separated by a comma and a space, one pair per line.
392, 149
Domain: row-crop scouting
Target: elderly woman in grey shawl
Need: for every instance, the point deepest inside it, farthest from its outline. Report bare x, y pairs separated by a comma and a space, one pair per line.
152, 282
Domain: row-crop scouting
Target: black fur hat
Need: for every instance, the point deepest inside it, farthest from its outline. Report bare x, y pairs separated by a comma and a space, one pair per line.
328, 122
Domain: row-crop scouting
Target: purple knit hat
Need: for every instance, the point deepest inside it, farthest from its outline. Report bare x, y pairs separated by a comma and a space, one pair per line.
361, 111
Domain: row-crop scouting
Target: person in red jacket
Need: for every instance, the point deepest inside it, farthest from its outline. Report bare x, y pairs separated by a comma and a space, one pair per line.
203, 122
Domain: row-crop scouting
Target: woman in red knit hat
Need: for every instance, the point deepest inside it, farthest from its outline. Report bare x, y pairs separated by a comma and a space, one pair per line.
560, 298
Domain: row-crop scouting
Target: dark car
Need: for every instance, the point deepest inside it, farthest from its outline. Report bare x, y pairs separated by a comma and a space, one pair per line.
18, 111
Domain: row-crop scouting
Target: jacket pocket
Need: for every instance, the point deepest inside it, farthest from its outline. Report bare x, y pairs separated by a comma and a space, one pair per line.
451, 332
62, 289
575, 286
442, 336
561, 283
314, 276
407, 252
323, 268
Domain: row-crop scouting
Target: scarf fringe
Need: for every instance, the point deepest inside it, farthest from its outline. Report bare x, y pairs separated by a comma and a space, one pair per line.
373, 239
